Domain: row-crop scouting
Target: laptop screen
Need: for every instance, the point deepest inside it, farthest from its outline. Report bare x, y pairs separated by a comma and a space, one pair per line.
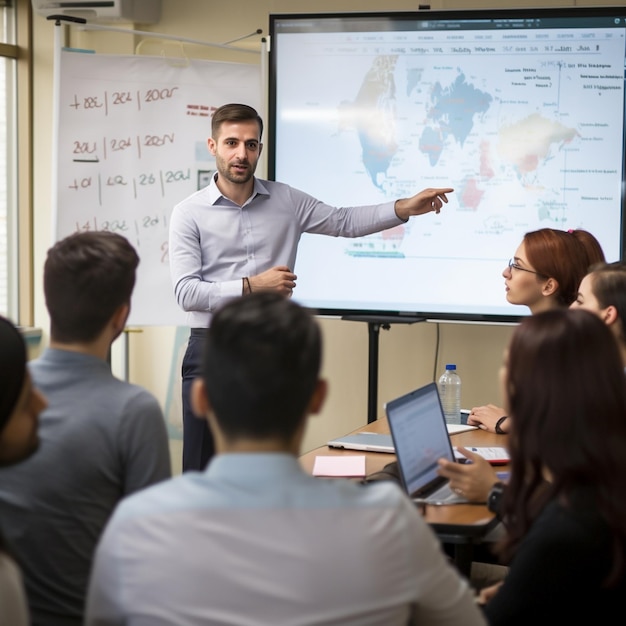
420, 437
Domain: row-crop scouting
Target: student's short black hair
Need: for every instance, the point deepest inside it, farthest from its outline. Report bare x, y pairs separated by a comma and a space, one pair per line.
261, 365
87, 276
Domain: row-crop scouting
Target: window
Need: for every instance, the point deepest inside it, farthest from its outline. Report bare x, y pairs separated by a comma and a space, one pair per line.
14, 205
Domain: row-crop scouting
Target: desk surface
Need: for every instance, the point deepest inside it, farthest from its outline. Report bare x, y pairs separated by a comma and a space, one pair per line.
460, 521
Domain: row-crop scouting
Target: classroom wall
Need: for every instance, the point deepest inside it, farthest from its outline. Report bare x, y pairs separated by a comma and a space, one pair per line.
406, 352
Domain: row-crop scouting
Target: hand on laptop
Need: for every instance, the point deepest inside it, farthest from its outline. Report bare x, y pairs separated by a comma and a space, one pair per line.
472, 480
486, 593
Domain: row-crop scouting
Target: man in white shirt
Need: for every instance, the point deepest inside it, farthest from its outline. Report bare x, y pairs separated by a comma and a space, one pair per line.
254, 539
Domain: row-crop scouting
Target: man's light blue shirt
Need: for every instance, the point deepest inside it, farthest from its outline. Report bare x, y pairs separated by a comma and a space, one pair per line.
255, 540
214, 243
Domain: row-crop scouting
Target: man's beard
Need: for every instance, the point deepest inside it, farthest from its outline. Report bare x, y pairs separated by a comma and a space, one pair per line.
226, 171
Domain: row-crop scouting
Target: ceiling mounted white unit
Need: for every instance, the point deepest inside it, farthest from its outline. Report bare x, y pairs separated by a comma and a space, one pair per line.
141, 11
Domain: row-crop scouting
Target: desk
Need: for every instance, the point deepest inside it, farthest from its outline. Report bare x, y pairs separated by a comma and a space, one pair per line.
461, 525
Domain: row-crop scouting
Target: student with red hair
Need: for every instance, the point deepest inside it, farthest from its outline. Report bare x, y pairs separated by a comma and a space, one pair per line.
543, 274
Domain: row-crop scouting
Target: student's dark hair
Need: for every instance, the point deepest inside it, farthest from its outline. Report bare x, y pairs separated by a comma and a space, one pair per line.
13, 359
234, 113
608, 285
563, 255
87, 276
566, 394
12, 368
261, 363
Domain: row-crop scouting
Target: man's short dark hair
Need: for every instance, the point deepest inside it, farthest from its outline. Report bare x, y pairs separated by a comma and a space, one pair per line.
261, 365
234, 113
87, 276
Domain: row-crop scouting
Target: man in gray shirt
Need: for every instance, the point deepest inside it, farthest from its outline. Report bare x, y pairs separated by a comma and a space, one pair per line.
101, 438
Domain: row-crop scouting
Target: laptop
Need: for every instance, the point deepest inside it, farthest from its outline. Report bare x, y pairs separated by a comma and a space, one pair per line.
420, 437
367, 442
381, 442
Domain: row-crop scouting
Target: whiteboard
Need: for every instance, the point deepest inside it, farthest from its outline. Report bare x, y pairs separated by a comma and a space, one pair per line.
132, 134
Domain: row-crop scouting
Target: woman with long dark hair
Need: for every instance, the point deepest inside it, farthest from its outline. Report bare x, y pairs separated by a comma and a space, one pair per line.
564, 507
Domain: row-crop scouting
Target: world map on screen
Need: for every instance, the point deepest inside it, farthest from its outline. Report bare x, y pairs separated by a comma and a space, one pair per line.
527, 127
461, 113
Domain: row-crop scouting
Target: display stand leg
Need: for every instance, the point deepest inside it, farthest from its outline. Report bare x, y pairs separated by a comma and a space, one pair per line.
373, 329
374, 324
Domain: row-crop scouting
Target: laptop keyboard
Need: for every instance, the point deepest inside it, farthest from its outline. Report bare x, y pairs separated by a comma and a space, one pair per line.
443, 495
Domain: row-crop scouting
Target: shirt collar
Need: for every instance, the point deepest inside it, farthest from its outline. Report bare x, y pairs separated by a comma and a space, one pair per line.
215, 195
251, 464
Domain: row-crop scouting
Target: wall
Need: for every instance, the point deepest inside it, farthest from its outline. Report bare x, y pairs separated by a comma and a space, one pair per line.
407, 352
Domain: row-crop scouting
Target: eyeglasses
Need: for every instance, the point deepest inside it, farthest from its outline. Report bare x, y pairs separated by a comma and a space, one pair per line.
514, 266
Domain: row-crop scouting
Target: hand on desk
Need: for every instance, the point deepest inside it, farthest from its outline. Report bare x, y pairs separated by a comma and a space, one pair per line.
472, 480
485, 417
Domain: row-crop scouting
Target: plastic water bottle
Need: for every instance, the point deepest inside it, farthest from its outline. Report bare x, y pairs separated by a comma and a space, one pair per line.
450, 394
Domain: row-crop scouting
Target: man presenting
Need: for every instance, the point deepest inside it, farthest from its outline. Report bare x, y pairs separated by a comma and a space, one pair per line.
240, 234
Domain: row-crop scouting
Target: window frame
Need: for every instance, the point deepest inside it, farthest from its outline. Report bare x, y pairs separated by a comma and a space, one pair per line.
19, 112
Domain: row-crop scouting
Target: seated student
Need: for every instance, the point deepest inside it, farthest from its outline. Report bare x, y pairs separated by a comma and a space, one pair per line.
543, 274
20, 405
253, 539
101, 438
564, 508
603, 291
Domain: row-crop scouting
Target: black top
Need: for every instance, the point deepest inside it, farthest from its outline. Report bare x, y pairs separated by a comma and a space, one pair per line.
557, 572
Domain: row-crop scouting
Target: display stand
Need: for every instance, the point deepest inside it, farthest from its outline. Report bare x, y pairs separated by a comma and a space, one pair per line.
374, 324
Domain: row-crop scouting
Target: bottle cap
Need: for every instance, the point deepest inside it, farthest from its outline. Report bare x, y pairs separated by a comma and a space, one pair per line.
450, 366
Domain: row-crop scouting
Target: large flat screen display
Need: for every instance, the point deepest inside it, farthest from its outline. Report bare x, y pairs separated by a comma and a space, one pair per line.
520, 111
